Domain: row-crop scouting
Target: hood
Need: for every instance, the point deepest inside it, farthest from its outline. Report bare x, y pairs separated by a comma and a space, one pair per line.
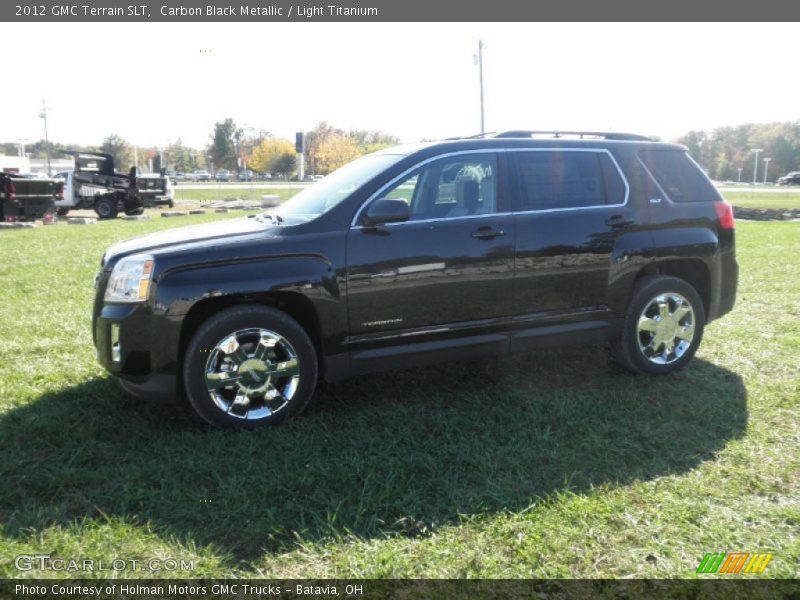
232, 229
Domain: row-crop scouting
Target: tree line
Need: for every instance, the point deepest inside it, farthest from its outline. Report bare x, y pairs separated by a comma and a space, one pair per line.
721, 152
725, 150
232, 147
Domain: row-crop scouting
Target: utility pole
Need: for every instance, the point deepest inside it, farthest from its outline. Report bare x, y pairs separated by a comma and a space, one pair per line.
766, 167
43, 115
755, 163
480, 76
739, 178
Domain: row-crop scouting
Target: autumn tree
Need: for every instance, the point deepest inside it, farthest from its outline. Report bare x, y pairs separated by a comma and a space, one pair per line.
336, 151
274, 156
314, 140
372, 141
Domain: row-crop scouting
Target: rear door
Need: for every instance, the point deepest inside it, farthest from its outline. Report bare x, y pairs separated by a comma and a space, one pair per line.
570, 206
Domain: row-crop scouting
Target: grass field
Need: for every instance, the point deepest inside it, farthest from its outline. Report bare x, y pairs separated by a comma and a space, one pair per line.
756, 199
554, 464
223, 193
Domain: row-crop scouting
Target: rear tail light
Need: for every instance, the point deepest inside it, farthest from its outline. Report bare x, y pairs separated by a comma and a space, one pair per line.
724, 214
10, 219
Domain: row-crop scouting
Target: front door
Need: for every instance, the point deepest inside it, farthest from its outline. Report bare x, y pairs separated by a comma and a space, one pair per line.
449, 267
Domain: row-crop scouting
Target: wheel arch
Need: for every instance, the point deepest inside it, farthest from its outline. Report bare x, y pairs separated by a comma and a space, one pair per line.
694, 271
296, 305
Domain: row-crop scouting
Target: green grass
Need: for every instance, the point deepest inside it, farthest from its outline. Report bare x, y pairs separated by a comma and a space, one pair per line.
223, 192
552, 464
760, 199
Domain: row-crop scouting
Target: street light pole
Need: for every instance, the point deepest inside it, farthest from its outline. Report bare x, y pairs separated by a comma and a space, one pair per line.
739, 179
755, 163
43, 115
766, 167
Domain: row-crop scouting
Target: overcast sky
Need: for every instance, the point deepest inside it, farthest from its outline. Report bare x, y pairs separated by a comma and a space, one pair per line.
151, 83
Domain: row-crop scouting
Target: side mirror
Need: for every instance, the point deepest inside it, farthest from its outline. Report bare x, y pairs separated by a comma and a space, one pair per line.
387, 210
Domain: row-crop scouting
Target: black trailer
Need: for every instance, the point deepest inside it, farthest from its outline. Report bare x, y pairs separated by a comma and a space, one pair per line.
26, 198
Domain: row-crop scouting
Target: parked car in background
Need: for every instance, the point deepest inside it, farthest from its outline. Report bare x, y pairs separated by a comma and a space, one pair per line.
179, 176
200, 175
455, 250
792, 178
223, 175
246, 175
317, 177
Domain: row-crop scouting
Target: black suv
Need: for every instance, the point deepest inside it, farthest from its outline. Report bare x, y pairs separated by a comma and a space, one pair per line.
441, 251
792, 178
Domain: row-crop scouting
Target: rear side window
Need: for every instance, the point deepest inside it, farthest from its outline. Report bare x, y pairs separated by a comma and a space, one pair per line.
561, 179
678, 175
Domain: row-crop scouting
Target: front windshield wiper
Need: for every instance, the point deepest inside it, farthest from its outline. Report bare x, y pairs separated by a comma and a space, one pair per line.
273, 217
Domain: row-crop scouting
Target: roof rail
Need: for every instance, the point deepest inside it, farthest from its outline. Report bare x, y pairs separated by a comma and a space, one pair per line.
477, 136
606, 135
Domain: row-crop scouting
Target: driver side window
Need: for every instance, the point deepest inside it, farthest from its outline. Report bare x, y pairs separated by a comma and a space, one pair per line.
454, 187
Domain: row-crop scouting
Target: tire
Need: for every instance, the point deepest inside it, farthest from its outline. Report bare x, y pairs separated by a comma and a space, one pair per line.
171, 204
106, 208
648, 331
135, 211
246, 384
62, 212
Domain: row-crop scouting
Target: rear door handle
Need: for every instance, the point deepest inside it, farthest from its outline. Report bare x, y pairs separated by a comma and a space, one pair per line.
487, 233
618, 221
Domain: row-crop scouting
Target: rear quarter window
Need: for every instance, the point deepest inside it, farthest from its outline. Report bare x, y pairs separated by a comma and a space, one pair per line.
679, 176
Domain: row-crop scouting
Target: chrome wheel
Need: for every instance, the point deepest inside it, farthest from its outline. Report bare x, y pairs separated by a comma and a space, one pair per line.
666, 328
252, 373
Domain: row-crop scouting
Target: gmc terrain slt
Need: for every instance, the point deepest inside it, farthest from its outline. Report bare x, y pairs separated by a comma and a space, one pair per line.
415, 254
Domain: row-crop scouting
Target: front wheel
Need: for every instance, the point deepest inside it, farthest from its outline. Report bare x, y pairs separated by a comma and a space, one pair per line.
249, 366
663, 326
106, 208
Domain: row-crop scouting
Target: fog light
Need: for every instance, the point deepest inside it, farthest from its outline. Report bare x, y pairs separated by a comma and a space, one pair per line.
116, 352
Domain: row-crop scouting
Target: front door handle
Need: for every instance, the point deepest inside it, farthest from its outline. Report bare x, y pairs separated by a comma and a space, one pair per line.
487, 233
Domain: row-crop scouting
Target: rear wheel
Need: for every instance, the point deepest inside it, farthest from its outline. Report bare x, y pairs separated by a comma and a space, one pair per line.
62, 211
663, 326
106, 208
249, 366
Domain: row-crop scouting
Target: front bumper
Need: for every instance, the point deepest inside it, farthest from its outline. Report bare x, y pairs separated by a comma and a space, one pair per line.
127, 348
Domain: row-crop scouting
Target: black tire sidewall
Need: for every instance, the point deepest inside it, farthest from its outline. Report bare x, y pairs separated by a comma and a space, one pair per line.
234, 319
112, 210
628, 351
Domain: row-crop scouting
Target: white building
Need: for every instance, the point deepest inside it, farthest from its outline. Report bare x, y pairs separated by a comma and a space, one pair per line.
24, 164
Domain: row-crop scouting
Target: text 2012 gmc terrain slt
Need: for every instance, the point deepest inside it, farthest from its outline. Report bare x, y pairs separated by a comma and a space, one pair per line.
411, 255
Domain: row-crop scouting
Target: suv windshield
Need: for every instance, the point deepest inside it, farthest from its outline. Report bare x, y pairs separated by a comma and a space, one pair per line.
322, 196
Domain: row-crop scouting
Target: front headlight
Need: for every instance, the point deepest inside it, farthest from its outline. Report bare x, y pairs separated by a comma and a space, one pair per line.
130, 279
